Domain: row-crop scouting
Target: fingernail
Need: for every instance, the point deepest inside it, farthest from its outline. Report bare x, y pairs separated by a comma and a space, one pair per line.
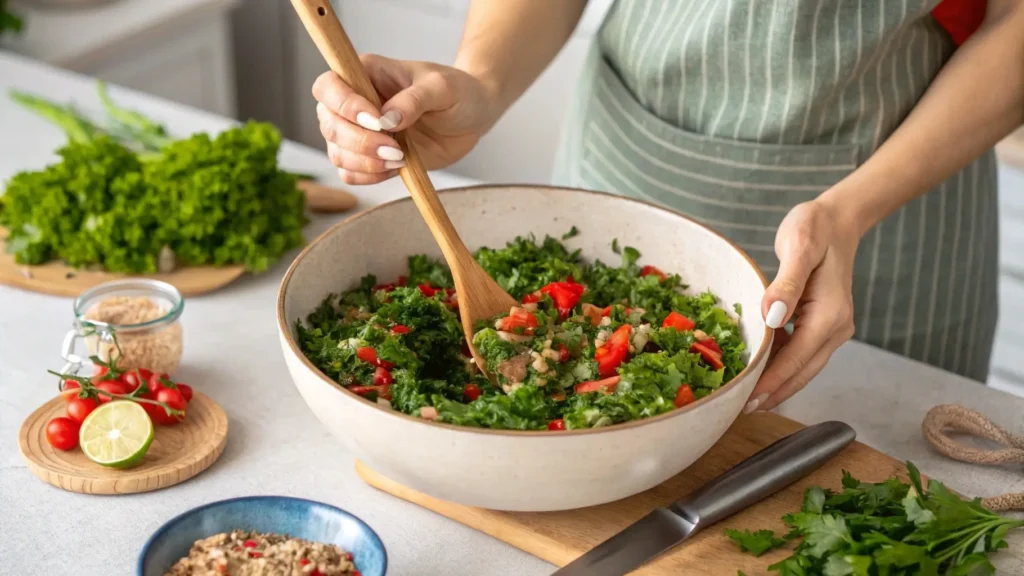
776, 314
390, 153
390, 119
393, 165
368, 121
753, 404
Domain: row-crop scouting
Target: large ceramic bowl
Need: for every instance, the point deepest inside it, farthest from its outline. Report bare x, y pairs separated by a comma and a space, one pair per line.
296, 517
513, 470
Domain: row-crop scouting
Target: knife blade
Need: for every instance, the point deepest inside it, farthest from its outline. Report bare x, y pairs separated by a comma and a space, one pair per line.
770, 470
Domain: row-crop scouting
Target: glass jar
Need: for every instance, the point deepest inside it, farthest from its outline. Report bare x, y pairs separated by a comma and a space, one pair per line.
130, 323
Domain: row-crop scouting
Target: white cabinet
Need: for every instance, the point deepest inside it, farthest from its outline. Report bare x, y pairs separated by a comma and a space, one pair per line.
178, 50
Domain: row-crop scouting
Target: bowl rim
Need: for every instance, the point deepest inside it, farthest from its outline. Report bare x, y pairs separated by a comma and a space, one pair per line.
282, 322
139, 566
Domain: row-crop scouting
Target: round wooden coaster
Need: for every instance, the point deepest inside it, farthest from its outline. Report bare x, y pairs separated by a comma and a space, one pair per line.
177, 453
57, 279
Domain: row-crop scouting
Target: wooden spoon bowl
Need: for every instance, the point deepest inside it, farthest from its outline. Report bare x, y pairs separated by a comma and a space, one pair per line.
480, 297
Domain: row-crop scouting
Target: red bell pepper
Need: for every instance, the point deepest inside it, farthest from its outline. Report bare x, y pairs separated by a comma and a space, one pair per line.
606, 385
714, 359
678, 321
710, 343
684, 396
369, 355
565, 295
614, 352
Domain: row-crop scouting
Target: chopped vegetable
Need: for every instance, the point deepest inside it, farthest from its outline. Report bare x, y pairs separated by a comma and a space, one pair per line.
585, 349
889, 528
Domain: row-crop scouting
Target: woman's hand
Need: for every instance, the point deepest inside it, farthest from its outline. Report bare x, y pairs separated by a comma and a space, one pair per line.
816, 250
444, 110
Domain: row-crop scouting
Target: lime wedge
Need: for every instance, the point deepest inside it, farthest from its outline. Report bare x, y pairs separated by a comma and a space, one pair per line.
116, 434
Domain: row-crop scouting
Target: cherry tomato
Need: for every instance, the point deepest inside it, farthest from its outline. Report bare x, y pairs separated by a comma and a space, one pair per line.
653, 271
100, 371
472, 391
381, 377
400, 329
175, 400
381, 391
131, 380
185, 390
428, 290
565, 296
678, 321
532, 298
62, 433
714, 359
607, 385
79, 408
614, 352
155, 382
556, 424
684, 396
369, 355
711, 344
70, 389
111, 386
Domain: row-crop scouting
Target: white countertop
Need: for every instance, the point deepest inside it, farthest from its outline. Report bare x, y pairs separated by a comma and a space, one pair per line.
274, 445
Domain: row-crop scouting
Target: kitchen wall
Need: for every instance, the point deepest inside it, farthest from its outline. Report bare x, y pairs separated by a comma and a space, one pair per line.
277, 64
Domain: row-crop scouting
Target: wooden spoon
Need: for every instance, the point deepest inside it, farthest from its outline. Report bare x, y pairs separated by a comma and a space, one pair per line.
480, 297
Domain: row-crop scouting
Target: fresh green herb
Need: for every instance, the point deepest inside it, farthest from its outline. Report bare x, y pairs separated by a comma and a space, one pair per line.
615, 246
571, 233
757, 543
9, 21
888, 528
210, 201
431, 369
738, 308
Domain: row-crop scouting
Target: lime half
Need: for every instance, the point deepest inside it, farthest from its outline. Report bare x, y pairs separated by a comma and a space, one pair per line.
116, 434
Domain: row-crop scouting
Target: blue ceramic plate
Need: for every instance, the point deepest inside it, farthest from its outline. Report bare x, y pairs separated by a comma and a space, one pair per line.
278, 514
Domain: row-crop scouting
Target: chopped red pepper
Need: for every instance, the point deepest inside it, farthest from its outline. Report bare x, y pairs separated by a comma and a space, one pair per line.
614, 351
369, 355
400, 329
684, 396
565, 295
556, 424
532, 298
563, 353
249, 544
472, 391
678, 321
428, 290
714, 359
519, 321
653, 271
607, 385
710, 343
381, 377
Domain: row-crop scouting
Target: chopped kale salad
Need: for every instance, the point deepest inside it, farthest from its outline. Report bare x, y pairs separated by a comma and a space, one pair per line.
591, 344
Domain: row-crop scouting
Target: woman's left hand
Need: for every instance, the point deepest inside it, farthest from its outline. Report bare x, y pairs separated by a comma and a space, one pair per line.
816, 250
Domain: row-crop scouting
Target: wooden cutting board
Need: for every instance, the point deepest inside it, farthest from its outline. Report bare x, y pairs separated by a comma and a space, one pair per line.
560, 537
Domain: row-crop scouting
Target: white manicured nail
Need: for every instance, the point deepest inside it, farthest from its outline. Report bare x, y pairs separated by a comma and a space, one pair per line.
390, 119
776, 314
389, 153
753, 404
368, 121
393, 165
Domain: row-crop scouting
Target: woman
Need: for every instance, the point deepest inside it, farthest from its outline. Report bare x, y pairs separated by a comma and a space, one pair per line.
845, 145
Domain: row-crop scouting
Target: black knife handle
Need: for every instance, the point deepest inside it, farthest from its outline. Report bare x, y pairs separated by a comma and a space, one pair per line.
765, 473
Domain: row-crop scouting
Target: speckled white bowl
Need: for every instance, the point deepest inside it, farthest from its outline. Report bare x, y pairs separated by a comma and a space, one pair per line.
512, 470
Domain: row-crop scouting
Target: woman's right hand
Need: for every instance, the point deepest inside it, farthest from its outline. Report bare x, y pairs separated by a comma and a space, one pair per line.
444, 111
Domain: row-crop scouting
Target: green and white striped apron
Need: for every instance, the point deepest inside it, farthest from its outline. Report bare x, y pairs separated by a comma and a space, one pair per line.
734, 111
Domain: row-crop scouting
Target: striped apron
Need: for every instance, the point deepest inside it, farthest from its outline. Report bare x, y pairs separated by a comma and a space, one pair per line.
734, 111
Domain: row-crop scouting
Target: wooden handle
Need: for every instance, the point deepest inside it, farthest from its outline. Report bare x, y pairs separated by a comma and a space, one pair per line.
324, 199
325, 29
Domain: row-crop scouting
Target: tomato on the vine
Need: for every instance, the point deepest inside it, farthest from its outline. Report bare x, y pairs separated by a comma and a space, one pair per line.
112, 387
79, 408
131, 380
175, 401
70, 389
185, 390
62, 433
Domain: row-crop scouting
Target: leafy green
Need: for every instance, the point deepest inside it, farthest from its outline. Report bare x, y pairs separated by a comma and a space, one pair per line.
430, 368
573, 232
887, 528
210, 201
757, 543
9, 21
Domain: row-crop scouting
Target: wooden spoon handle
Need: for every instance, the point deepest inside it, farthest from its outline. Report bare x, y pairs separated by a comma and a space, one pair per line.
325, 29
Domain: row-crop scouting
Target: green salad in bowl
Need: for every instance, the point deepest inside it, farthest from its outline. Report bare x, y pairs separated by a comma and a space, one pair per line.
592, 344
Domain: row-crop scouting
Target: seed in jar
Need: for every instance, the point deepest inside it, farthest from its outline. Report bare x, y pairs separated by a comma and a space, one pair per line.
157, 349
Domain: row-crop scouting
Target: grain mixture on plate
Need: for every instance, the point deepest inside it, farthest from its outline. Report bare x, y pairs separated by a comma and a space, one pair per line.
243, 553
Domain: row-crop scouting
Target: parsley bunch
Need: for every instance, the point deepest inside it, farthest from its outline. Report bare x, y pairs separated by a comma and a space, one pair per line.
123, 194
885, 529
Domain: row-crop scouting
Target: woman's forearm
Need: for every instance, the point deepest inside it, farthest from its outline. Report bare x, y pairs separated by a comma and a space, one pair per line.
976, 100
508, 43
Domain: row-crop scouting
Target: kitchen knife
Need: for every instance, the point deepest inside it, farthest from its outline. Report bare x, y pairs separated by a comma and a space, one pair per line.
770, 470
